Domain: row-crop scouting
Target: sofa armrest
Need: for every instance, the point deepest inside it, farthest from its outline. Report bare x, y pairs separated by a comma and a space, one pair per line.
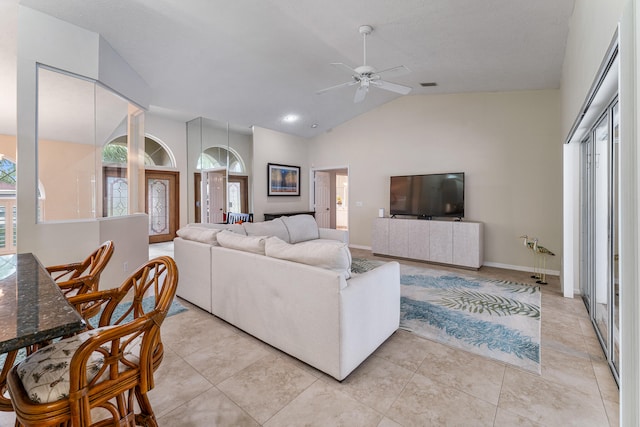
332, 234
369, 312
194, 263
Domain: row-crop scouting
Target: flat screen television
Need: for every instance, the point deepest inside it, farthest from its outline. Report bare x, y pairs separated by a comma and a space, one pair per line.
428, 196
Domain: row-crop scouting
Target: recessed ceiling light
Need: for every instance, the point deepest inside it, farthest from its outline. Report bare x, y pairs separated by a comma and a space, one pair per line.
290, 118
315, 125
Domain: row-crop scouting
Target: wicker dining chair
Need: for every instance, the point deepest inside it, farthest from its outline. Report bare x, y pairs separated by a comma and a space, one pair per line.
109, 367
80, 277
73, 279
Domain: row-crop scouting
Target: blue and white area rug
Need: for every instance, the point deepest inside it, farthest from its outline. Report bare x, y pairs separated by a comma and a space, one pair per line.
492, 318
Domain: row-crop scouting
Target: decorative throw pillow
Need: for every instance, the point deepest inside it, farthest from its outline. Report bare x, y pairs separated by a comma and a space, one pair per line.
254, 244
45, 373
267, 228
329, 254
200, 234
301, 228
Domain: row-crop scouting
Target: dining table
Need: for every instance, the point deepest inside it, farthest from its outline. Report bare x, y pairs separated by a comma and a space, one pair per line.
32, 306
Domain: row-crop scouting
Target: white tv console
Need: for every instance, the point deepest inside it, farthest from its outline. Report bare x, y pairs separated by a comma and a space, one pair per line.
456, 243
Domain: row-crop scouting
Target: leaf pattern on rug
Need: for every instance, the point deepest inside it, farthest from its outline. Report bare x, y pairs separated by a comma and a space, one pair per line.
472, 331
478, 302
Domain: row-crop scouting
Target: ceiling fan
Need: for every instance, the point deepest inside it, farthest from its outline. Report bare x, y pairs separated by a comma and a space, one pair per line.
366, 76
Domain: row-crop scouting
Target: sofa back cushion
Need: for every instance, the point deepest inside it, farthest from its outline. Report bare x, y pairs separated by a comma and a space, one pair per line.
328, 254
301, 228
231, 240
274, 227
236, 228
200, 234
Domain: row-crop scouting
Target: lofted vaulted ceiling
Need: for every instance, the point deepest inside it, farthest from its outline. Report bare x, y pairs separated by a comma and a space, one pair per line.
252, 62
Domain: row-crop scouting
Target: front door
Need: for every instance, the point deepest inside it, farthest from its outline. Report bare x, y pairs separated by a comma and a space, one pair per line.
162, 205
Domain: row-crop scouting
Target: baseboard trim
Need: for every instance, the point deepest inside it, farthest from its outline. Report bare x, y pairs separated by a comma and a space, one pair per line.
520, 268
488, 264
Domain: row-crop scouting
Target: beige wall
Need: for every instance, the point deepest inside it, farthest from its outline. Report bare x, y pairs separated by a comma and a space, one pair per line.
508, 144
66, 172
8, 147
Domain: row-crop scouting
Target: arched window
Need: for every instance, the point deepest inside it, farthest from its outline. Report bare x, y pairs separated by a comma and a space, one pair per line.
216, 158
115, 152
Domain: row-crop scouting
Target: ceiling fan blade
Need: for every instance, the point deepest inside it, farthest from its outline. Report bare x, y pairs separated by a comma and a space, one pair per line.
346, 67
351, 83
393, 87
360, 93
400, 70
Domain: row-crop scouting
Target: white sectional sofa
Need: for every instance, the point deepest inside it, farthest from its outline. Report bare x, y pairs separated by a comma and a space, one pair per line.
288, 283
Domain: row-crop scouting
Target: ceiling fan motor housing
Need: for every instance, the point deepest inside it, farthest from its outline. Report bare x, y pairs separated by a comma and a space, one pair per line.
365, 70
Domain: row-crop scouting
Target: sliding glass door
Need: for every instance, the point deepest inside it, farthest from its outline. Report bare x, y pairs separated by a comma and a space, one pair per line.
599, 229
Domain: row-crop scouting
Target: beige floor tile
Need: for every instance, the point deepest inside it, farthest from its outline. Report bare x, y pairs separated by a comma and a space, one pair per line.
211, 408
226, 357
404, 349
265, 387
509, 419
548, 403
607, 384
322, 405
569, 370
377, 383
425, 402
562, 339
386, 422
193, 331
613, 412
467, 372
176, 382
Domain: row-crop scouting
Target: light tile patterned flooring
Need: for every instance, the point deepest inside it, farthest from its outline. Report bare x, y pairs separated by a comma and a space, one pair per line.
215, 374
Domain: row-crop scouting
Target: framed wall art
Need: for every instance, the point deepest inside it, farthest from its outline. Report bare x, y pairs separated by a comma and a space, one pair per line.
283, 180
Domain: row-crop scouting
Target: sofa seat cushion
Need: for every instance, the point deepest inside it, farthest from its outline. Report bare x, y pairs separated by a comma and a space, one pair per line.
301, 228
45, 373
328, 254
200, 234
274, 227
231, 240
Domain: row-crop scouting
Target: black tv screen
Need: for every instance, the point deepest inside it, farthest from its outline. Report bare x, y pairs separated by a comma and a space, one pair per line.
427, 196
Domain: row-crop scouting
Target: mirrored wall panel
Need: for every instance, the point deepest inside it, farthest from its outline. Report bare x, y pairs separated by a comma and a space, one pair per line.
219, 182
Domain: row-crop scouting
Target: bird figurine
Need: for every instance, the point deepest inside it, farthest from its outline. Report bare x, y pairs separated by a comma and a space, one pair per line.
531, 244
543, 253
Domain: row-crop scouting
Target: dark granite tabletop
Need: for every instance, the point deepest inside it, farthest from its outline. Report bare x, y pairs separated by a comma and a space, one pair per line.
32, 307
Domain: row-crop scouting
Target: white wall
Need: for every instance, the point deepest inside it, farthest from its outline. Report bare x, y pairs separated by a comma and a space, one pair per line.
173, 133
508, 145
275, 147
46, 40
591, 30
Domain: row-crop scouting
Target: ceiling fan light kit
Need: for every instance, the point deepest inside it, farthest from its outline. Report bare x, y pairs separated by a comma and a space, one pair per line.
366, 75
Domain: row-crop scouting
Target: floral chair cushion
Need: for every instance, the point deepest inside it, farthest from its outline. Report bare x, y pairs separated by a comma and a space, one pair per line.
45, 373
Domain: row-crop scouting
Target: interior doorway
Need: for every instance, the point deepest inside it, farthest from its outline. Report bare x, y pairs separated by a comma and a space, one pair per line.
331, 197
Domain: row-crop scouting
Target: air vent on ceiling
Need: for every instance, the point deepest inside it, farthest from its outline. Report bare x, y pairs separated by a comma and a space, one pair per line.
429, 84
